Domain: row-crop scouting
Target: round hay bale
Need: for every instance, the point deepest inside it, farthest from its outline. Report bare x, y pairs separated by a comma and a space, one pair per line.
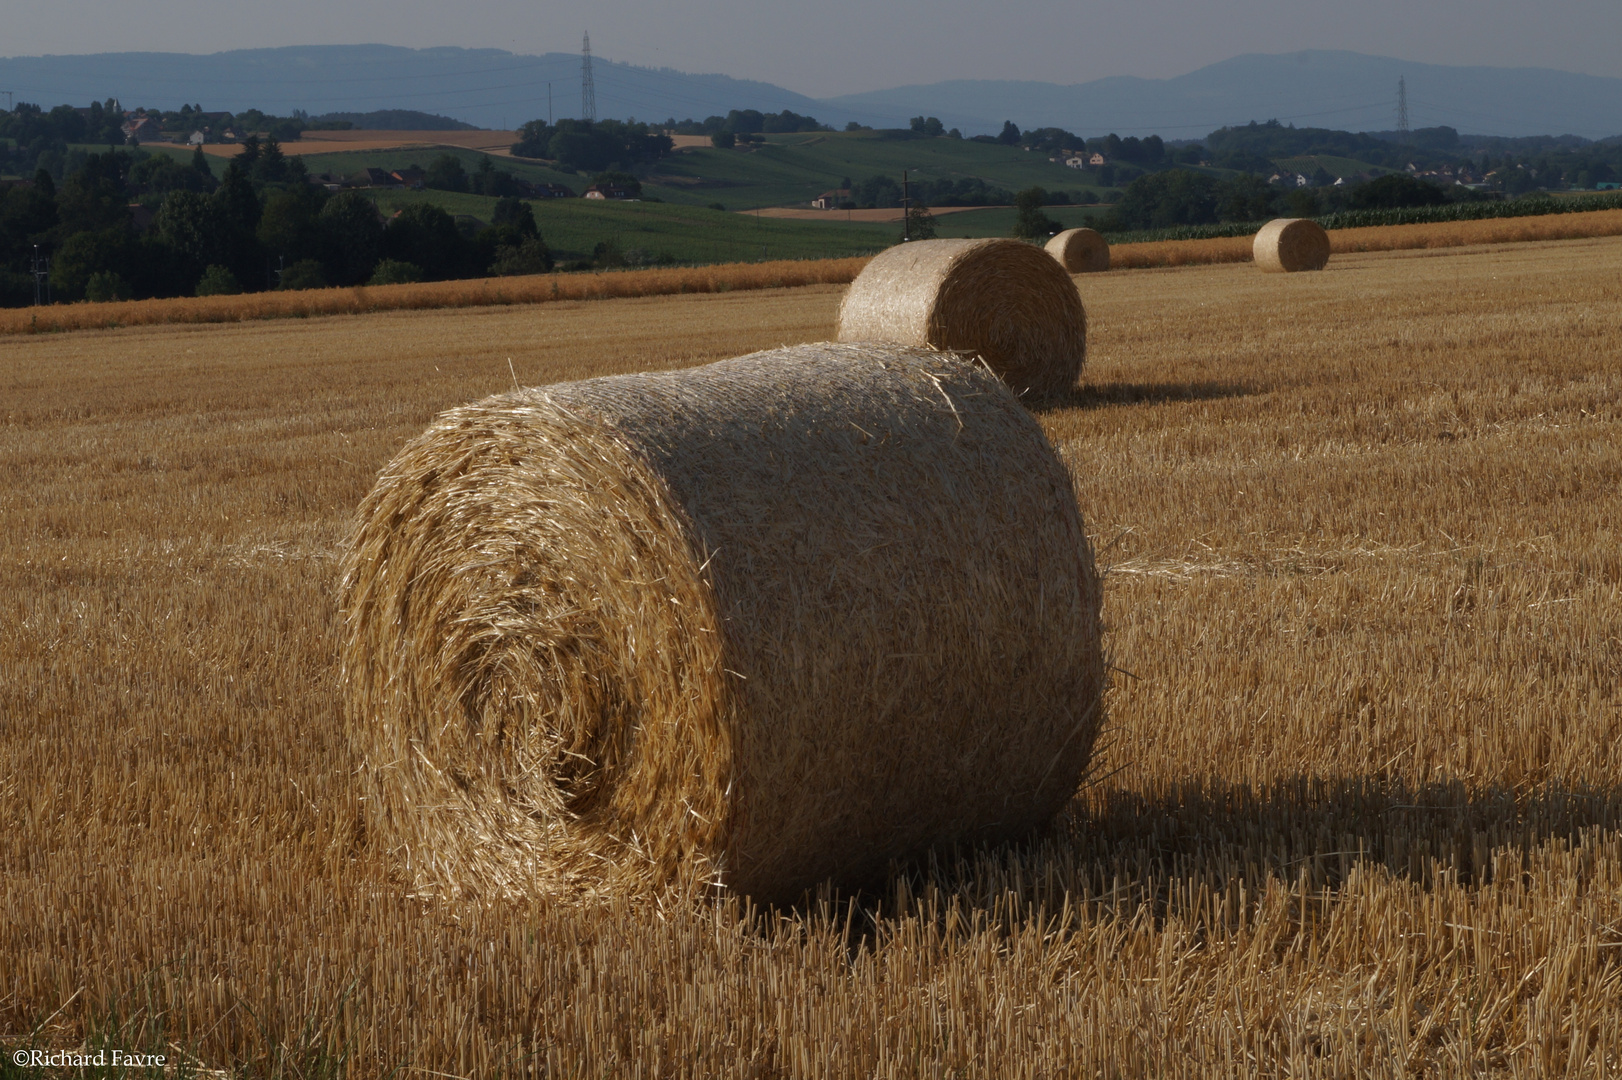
753, 625
1080, 251
1285, 245
1002, 300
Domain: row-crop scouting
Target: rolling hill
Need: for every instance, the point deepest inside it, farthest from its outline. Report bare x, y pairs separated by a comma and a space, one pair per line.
494, 88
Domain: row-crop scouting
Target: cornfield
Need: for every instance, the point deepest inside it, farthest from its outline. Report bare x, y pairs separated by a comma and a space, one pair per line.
1539, 205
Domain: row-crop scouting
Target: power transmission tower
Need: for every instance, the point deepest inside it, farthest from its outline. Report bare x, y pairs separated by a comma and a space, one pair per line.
8, 101
906, 208
1402, 108
588, 92
41, 269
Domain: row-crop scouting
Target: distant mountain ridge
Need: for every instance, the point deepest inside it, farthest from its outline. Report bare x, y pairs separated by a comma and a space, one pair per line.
1315, 88
493, 88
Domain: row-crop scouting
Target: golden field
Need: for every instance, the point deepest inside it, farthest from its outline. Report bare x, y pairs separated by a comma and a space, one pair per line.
1442, 234
1358, 810
727, 277
463, 293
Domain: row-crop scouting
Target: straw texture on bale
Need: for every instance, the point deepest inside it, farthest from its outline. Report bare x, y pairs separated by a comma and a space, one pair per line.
1286, 245
754, 625
1080, 251
1005, 301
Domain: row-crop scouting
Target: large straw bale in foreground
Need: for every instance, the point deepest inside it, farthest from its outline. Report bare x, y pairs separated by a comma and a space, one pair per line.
1080, 251
760, 623
1004, 300
1286, 245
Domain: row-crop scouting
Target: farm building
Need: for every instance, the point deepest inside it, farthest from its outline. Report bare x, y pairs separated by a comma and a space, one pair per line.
830, 200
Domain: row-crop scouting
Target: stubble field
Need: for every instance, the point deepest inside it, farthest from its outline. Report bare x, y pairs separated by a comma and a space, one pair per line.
1357, 810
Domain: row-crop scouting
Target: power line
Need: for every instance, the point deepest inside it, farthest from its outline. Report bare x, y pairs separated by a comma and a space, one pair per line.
588, 91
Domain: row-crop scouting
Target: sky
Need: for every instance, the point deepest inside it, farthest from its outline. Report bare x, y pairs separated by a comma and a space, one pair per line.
832, 47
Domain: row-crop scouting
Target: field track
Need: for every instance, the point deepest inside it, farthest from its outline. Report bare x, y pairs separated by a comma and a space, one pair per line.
496, 292
1358, 810
334, 142
805, 213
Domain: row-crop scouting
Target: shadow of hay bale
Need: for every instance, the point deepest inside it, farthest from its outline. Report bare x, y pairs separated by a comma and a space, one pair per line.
1129, 854
1100, 395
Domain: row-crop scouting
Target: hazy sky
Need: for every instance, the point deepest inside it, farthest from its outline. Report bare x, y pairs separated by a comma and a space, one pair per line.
829, 47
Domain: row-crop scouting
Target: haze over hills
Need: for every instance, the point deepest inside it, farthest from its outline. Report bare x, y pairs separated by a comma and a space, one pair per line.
494, 88
1344, 90
488, 87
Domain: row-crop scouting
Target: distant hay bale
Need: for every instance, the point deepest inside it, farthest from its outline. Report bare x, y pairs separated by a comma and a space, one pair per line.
1286, 245
758, 624
1080, 251
1003, 300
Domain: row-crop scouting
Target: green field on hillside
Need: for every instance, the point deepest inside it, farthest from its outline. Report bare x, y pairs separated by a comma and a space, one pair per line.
649, 231
1334, 166
653, 232
675, 223
348, 162
791, 170
999, 220
786, 170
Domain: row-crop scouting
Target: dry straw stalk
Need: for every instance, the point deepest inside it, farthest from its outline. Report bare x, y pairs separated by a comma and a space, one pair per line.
1289, 245
1080, 251
763, 623
1004, 300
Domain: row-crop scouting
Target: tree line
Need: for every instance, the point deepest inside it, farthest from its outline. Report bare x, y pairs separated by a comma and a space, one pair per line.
261, 225
1515, 164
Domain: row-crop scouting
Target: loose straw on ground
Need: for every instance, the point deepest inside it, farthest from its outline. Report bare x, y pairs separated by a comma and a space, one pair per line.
1080, 251
1006, 301
1291, 245
763, 623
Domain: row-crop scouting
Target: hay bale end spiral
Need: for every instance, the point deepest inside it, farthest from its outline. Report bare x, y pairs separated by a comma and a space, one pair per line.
754, 625
1005, 301
1080, 251
1289, 245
